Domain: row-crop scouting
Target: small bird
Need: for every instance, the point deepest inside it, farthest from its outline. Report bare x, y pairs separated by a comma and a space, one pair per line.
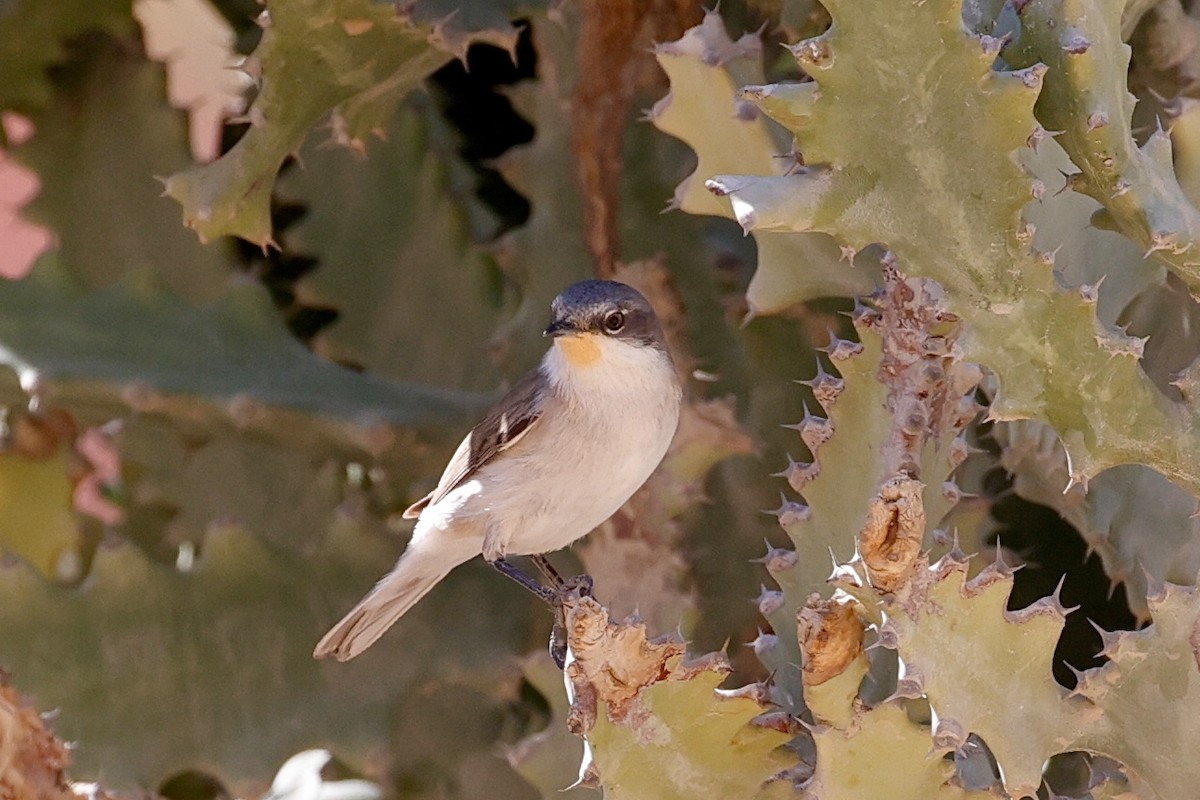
557, 456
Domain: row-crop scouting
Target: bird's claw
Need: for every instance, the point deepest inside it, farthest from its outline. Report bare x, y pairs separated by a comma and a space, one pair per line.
574, 588
558, 595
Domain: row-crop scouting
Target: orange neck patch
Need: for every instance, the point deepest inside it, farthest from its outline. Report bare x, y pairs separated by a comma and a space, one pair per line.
581, 350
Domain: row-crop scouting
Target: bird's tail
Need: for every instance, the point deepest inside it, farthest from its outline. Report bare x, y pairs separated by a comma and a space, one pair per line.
410, 580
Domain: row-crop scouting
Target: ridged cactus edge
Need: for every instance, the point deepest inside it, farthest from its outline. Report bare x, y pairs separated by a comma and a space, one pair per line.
946, 137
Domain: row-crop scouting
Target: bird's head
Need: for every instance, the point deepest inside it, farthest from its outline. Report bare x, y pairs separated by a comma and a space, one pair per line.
592, 318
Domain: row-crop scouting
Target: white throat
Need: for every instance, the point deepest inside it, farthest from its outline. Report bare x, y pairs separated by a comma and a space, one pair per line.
617, 372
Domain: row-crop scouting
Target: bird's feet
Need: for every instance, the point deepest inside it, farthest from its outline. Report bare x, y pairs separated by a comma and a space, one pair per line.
580, 584
571, 588
556, 595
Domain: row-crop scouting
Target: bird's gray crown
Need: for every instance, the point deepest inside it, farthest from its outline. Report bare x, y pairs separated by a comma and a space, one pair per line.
598, 307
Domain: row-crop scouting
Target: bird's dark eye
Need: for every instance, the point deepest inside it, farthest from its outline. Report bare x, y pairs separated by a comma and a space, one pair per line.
614, 321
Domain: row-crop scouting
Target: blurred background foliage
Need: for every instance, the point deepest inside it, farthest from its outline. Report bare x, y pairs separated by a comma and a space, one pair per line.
210, 433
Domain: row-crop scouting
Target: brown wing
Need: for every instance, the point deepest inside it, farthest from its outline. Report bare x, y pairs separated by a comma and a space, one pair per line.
504, 425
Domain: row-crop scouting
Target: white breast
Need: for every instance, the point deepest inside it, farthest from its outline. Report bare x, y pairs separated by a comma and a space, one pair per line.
604, 429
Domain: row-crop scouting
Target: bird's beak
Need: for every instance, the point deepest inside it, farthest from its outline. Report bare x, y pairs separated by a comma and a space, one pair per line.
561, 327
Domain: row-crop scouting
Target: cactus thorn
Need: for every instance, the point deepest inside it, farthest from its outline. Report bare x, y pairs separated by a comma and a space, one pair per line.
1075, 43
890, 265
797, 163
1096, 120
844, 574
777, 559
956, 555
796, 426
1076, 479
910, 687
790, 465
763, 643
789, 776
799, 473
960, 450
992, 45
812, 54
779, 721
863, 316
754, 93
1035, 139
1124, 344
847, 254
755, 691
1066, 176
775, 512
1088, 292
791, 512
1156, 587
840, 349
1107, 638
1032, 76
763, 559
826, 388
1187, 381
1160, 240
1056, 598
1080, 689
814, 431
769, 601
887, 636
1026, 233
589, 773
1001, 567
1121, 187
949, 735
816, 376
1049, 256
810, 727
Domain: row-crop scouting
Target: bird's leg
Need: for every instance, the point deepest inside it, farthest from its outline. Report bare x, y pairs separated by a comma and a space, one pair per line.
555, 594
582, 583
548, 570
558, 638
547, 594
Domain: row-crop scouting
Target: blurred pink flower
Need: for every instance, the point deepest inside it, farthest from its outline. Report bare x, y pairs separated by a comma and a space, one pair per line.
104, 462
21, 241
